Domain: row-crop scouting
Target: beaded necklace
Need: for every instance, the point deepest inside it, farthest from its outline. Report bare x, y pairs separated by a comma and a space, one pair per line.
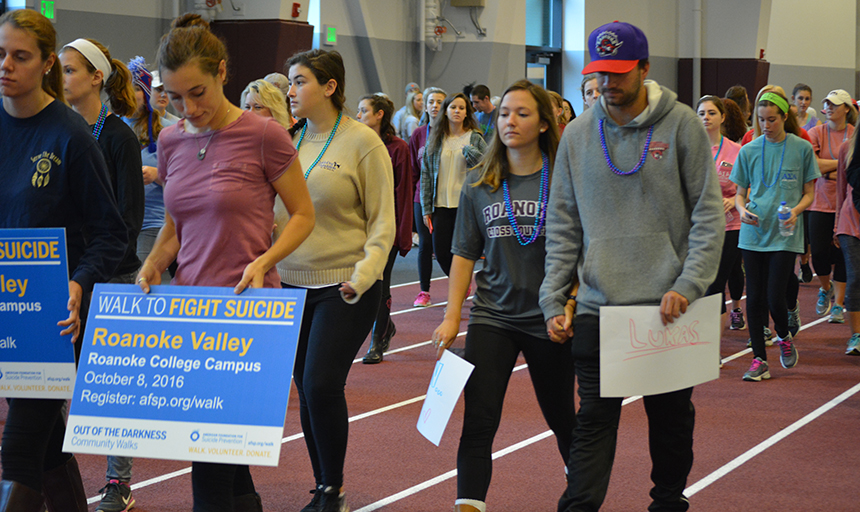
612, 166
718, 150
100, 123
844, 138
764, 143
540, 219
327, 142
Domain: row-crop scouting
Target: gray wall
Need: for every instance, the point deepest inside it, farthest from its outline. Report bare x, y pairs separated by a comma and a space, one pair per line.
125, 36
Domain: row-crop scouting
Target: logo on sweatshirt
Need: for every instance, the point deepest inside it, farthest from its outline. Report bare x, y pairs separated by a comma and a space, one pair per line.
44, 162
329, 166
656, 149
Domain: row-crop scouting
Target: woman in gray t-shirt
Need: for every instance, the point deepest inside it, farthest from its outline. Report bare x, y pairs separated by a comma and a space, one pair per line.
502, 213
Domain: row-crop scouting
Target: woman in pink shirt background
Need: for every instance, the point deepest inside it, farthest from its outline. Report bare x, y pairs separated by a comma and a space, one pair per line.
847, 235
826, 257
712, 113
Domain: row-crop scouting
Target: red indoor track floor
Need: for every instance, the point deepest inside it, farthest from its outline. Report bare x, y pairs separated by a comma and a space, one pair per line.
788, 444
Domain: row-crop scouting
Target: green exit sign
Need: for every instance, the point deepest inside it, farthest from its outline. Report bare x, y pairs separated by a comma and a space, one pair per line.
48, 9
329, 35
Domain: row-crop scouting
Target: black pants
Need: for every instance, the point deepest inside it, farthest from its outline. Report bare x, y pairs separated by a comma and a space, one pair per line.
671, 417
215, 485
771, 286
728, 262
736, 279
32, 440
383, 314
494, 352
331, 334
443, 234
826, 257
425, 249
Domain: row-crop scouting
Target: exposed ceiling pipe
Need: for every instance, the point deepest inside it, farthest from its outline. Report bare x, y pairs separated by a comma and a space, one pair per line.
697, 50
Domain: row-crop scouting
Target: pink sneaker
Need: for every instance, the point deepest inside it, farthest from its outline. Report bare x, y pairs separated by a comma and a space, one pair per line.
422, 300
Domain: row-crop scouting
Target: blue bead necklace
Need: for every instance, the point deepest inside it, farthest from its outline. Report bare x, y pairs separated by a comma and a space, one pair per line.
612, 166
327, 142
100, 123
781, 158
718, 150
540, 219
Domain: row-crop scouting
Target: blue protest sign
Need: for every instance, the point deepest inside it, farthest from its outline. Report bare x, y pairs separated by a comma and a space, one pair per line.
35, 361
186, 373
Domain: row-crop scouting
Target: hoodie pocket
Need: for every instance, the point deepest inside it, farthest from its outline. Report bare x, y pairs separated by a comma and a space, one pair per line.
634, 269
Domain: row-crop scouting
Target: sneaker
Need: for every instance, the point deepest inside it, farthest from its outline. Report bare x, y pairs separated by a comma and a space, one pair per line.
758, 371
314, 505
422, 300
768, 338
837, 315
737, 317
787, 352
853, 345
333, 501
794, 320
116, 497
804, 275
824, 299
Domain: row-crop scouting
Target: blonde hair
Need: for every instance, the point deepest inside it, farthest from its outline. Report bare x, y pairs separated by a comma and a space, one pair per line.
558, 100
118, 85
270, 97
494, 164
410, 105
141, 124
38, 26
766, 88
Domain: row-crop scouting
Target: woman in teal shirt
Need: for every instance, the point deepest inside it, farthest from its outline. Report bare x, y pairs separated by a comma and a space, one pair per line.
777, 167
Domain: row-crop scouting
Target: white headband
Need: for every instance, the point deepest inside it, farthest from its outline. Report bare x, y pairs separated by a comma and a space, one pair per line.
95, 56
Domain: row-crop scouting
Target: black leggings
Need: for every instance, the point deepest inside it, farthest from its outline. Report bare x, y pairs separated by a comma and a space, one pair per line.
443, 234
383, 314
772, 286
736, 279
826, 257
32, 440
728, 262
215, 485
494, 352
331, 334
425, 249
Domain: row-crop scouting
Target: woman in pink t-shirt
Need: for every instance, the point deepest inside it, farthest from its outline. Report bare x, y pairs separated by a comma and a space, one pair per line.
826, 257
712, 113
221, 168
848, 236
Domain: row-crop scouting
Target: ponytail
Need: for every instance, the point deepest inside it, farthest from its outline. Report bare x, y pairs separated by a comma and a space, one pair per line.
119, 89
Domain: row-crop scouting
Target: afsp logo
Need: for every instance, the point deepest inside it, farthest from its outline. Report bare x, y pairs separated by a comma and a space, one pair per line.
607, 43
195, 436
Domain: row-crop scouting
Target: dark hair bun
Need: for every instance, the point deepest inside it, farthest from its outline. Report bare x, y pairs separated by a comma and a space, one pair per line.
188, 20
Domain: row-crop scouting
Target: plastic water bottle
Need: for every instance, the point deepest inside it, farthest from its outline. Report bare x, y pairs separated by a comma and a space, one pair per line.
784, 213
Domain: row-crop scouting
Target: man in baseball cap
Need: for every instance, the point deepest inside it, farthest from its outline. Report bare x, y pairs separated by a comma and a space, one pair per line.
636, 215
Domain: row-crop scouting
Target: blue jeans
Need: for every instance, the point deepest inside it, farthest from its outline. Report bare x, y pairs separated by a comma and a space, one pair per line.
671, 418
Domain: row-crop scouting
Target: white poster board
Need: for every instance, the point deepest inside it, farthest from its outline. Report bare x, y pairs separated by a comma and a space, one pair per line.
448, 381
641, 356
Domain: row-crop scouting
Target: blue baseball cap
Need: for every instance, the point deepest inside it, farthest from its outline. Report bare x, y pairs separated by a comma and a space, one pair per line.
616, 47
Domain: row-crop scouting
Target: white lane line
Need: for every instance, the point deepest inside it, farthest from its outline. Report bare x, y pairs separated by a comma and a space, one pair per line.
451, 474
749, 350
767, 443
409, 347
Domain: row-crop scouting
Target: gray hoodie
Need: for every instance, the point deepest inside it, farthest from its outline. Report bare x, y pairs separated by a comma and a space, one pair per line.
631, 239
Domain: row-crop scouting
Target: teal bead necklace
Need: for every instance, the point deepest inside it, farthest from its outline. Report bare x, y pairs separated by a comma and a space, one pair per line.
327, 142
